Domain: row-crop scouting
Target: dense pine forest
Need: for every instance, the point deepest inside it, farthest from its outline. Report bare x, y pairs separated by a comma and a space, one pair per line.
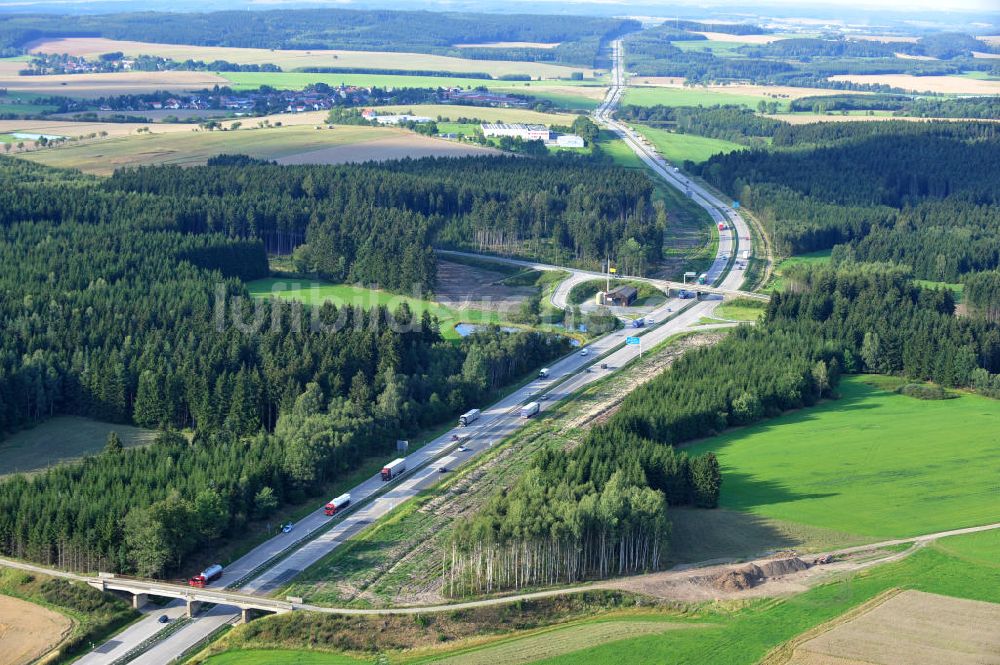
356, 219
601, 508
923, 195
120, 306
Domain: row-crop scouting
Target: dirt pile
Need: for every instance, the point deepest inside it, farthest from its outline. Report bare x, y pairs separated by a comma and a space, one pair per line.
779, 567
738, 579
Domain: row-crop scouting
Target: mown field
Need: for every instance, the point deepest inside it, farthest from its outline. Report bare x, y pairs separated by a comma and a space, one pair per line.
873, 463
317, 293
63, 438
669, 96
288, 144
678, 148
290, 59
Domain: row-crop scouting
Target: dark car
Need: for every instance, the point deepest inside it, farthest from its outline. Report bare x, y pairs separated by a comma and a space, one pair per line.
164, 619
443, 469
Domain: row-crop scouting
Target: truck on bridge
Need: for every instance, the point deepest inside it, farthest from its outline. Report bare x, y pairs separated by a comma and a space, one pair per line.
338, 504
468, 417
393, 469
210, 574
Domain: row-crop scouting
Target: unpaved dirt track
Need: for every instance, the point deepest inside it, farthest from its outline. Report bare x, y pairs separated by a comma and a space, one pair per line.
29, 631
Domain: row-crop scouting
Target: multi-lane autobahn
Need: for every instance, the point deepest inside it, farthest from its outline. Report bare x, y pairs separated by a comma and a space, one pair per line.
280, 559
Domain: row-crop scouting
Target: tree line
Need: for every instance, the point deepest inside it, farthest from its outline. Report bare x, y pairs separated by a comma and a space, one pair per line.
731, 123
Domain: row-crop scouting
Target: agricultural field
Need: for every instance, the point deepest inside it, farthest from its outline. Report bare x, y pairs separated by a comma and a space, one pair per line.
289, 60
102, 85
679, 148
872, 463
63, 438
619, 152
317, 293
961, 85
29, 631
912, 627
286, 144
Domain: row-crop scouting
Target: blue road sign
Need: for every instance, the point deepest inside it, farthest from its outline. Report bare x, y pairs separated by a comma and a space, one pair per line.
632, 340
736, 204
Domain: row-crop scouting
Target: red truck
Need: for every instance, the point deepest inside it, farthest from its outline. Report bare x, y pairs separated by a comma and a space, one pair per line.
393, 469
210, 574
339, 503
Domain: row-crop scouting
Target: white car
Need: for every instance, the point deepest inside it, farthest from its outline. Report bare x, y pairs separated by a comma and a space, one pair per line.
585, 352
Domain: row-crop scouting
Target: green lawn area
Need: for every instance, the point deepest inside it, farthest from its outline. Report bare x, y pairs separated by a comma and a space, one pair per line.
318, 292
23, 103
681, 147
957, 289
619, 151
813, 258
63, 438
651, 96
873, 463
741, 309
745, 634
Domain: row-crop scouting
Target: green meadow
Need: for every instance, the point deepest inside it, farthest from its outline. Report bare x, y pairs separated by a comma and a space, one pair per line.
872, 463
315, 293
813, 258
651, 96
681, 147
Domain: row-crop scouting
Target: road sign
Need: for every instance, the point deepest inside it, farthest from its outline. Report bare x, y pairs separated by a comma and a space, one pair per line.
736, 204
633, 340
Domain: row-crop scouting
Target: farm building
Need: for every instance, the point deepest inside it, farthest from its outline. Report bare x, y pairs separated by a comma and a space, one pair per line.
394, 119
623, 296
516, 130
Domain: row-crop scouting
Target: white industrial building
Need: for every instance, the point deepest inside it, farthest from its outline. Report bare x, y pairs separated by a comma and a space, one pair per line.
516, 130
399, 119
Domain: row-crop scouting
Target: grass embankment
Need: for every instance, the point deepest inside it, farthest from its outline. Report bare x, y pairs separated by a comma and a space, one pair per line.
740, 309
61, 439
314, 293
95, 615
679, 148
712, 634
873, 463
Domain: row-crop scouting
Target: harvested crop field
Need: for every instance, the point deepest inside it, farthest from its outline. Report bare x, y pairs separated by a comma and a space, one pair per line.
484, 113
101, 85
510, 45
393, 147
809, 118
911, 628
289, 144
292, 59
560, 641
461, 286
762, 91
958, 85
29, 631
744, 39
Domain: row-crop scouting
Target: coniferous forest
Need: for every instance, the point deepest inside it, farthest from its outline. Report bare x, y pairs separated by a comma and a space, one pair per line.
123, 304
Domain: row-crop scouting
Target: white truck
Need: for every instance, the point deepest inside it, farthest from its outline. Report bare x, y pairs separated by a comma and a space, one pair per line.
543, 373
529, 409
393, 469
468, 417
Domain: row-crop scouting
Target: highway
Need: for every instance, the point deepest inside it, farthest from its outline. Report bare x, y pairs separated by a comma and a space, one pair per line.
277, 561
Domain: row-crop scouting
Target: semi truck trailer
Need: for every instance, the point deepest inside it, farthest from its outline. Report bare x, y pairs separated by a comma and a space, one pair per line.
393, 469
338, 504
529, 409
210, 574
468, 417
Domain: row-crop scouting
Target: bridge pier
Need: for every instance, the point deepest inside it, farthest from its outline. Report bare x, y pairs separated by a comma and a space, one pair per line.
192, 608
139, 600
246, 614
